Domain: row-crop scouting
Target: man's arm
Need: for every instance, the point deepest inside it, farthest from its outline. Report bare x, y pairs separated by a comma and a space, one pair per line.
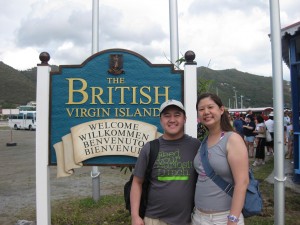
135, 199
250, 126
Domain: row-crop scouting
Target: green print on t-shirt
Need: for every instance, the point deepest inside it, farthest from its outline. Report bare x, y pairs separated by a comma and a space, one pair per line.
171, 168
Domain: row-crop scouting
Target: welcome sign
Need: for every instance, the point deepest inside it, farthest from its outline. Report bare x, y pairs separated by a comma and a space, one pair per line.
103, 111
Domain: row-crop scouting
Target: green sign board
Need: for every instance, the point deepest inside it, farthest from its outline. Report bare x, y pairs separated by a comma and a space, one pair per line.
107, 108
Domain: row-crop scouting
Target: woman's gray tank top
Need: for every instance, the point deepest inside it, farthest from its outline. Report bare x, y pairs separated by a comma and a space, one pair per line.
208, 196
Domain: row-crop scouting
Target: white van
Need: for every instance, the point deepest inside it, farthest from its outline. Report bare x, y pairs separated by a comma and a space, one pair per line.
23, 120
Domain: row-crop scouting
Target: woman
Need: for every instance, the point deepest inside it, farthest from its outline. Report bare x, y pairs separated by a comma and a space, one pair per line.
260, 130
228, 157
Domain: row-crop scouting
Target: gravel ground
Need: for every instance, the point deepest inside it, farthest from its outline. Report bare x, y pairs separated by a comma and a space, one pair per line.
17, 177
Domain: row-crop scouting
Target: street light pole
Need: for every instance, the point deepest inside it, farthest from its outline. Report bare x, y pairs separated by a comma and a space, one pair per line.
242, 101
235, 97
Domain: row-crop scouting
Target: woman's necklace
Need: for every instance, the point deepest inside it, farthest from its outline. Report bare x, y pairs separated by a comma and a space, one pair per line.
215, 140
222, 135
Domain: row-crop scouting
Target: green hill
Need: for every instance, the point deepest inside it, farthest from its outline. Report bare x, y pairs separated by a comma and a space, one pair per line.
257, 91
19, 87
15, 87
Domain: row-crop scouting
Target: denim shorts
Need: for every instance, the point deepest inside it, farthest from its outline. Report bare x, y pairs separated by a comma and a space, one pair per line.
249, 138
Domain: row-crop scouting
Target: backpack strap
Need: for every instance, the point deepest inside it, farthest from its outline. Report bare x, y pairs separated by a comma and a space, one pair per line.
154, 149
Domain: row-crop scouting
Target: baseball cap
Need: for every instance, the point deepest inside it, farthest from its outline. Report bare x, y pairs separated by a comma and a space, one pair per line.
170, 103
236, 114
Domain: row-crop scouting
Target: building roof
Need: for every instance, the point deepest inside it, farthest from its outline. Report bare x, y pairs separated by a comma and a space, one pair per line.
259, 109
286, 34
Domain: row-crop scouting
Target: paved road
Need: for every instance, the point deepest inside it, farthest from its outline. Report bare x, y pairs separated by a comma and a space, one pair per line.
17, 177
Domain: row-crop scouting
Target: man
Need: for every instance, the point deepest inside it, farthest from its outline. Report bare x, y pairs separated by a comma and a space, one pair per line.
173, 178
270, 126
238, 124
250, 115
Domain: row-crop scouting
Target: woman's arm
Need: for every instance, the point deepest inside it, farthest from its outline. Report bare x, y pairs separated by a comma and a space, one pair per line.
238, 161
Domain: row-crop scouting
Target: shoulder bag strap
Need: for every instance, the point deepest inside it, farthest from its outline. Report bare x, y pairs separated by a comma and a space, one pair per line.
224, 185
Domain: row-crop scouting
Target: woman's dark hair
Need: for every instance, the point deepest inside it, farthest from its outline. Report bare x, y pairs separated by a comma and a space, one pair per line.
250, 117
260, 119
225, 123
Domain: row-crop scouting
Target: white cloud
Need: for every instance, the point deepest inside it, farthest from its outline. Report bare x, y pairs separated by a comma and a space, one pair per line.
25, 58
224, 34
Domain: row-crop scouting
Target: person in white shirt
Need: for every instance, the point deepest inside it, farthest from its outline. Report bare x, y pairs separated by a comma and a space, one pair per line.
270, 127
261, 141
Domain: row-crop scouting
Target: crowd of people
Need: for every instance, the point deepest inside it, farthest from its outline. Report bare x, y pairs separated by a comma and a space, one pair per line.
181, 190
253, 128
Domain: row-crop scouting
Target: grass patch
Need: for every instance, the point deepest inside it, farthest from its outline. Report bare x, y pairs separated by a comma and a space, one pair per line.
292, 199
110, 210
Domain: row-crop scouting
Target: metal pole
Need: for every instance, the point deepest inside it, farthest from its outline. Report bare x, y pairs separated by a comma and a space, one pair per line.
174, 46
242, 101
279, 176
95, 24
235, 98
10, 127
95, 174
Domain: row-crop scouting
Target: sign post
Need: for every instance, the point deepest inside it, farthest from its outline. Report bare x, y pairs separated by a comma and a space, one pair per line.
190, 93
43, 209
10, 112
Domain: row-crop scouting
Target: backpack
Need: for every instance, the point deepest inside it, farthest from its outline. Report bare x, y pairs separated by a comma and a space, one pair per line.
154, 149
